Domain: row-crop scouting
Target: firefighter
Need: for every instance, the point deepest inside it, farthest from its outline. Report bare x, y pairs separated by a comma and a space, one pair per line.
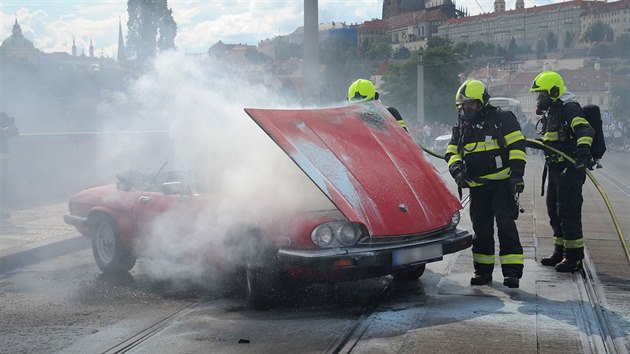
564, 128
486, 154
363, 90
7, 124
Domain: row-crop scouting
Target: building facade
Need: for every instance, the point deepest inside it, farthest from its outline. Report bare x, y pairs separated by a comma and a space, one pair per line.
566, 21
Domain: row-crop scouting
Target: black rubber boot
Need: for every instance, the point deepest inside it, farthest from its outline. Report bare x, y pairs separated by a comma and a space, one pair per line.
511, 282
555, 258
569, 265
481, 279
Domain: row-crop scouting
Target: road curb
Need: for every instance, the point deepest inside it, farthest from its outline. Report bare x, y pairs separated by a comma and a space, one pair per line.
41, 253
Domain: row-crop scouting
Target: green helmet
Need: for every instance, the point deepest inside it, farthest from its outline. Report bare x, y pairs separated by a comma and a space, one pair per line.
550, 82
472, 90
362, 90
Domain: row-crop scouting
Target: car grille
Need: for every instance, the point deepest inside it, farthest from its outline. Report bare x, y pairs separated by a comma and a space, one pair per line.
393, 240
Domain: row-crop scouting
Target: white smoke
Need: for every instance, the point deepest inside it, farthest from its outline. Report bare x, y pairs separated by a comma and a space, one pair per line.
244, 176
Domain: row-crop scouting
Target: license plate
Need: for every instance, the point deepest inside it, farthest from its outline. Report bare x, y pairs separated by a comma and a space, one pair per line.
418, 254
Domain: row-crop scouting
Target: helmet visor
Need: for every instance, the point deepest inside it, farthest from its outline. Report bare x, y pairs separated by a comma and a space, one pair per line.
358, 97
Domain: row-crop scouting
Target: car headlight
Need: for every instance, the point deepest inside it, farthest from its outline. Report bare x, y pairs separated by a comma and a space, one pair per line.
455, 219
348, 234
336, 234
323, 235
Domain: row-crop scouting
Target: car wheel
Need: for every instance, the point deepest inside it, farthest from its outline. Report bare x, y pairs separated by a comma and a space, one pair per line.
263, 286
109, 252
409, 274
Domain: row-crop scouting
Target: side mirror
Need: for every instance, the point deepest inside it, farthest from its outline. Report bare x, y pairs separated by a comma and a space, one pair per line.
172, 188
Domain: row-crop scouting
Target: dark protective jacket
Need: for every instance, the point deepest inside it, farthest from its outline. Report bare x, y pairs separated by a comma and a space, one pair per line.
492, 147
565, 128
398, 117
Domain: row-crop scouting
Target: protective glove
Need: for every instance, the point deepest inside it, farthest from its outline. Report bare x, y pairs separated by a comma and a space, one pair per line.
462, 180
517, 183
582, 158
458, 171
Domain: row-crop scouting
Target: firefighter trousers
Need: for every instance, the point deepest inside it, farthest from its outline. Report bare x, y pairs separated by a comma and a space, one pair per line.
488, 203
564, 207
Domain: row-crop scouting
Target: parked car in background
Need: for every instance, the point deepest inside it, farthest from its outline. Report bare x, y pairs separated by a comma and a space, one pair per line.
389, 211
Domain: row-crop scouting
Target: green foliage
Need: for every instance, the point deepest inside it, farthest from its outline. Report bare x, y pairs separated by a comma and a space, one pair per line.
620, 96
339, 56
512, 50
477, 49
442, 62
541, 49
597, 32
622, 46
568, 39
401, 53
378, 49
151, 29
552, 42
442, 67
400, 87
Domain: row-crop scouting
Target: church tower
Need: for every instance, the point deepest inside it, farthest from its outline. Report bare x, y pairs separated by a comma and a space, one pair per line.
520, 4
74, 48
91, 49
122, 53
499, 5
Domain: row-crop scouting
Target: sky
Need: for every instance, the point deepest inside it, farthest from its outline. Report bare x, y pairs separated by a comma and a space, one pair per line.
52, 24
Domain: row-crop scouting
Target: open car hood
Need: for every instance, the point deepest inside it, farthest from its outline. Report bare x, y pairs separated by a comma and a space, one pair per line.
368, 166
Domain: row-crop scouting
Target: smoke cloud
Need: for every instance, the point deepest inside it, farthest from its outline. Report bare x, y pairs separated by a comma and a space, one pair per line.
241, 175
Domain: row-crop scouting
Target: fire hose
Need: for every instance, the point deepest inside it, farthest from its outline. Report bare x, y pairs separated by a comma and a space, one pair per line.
536, 144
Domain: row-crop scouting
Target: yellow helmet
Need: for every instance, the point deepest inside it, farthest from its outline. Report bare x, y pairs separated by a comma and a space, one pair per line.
362, 90
550, 82
472, 90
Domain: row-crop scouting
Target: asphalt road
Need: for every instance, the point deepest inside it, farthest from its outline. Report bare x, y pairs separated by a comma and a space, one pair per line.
66, 305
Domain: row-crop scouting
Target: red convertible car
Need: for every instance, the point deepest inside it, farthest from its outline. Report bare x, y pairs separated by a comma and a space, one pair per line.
391, 213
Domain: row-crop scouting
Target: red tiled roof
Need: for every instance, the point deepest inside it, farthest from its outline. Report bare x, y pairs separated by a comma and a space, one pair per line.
599, 6
374, 24
530, 10
383, 68
412, 18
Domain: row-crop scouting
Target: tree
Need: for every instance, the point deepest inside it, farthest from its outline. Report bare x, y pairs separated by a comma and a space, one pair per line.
541, 49
401, 53
339, 55
597, 32
442, 64
620, 95
151, 29
622, 46
512, 49
378, 49
568, 39
552, 42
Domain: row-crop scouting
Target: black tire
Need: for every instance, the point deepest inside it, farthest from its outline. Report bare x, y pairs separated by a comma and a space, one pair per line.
409, 274
109, 252
263, 285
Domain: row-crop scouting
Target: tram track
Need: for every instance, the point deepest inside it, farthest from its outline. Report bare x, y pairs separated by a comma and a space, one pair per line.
607, 176
604, 337
137, 339
610, 338
601, 335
